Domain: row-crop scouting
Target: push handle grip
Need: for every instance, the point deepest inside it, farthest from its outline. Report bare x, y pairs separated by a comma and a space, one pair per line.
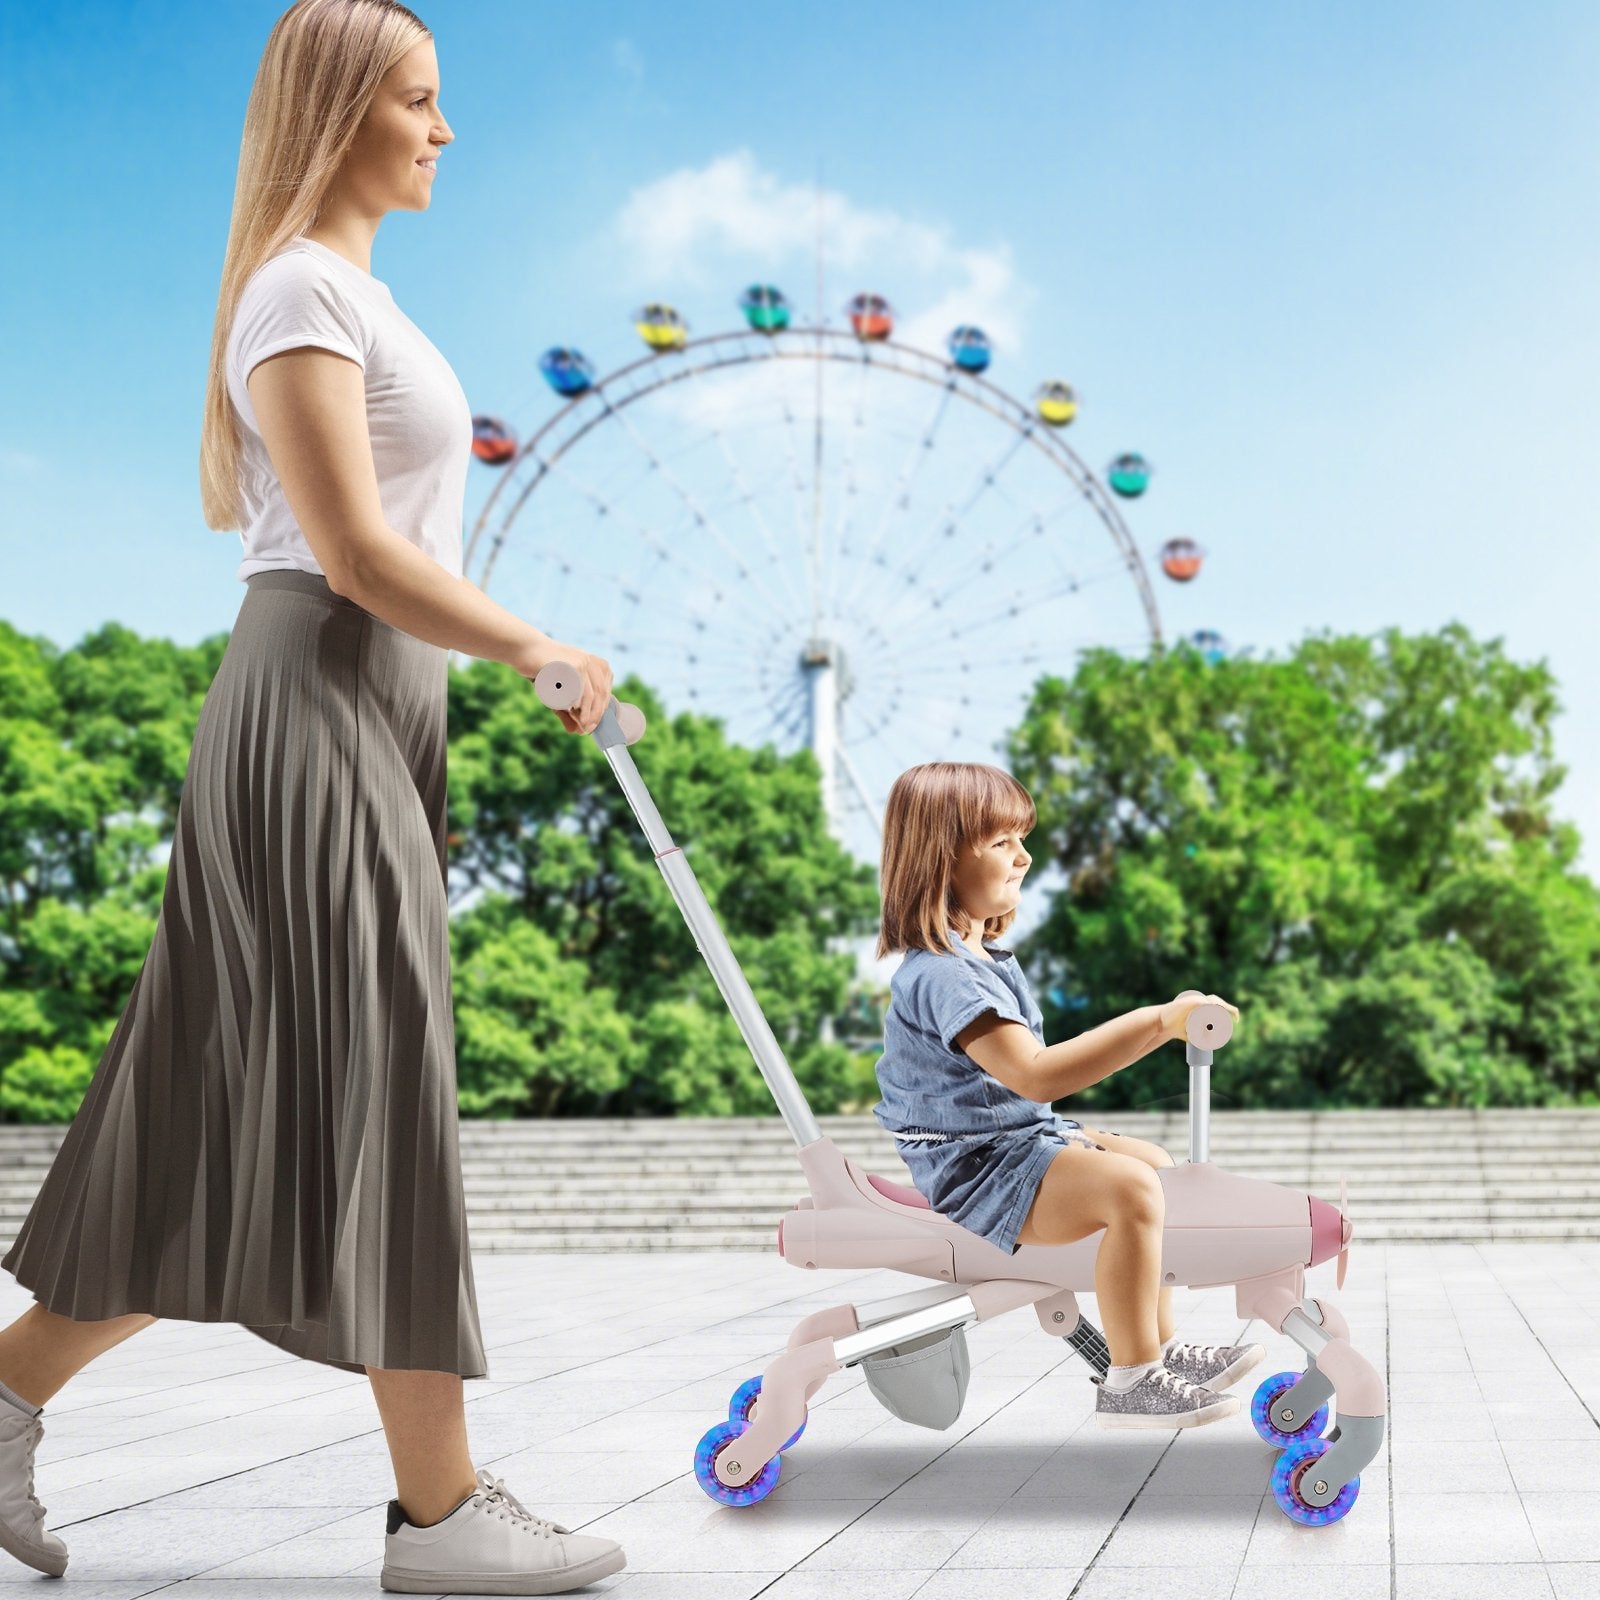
559, 685
1208, 1026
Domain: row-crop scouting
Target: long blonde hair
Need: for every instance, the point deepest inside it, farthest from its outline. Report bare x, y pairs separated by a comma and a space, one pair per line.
318, 76
935, 812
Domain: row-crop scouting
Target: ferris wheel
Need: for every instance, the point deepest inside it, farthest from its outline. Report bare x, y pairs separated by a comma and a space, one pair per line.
819, 536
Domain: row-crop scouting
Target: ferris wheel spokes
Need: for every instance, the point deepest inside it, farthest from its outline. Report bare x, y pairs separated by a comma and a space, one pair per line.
748, 498
846, 506
802, 534
981, 562
790, 712
987, 477
688, 499
673, 552
935, 612
1021, 602
921, 449
860, 788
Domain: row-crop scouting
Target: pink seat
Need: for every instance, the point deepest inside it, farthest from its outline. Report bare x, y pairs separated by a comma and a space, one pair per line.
898, 1191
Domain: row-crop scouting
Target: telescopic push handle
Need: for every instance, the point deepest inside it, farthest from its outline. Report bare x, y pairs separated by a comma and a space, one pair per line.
560, 685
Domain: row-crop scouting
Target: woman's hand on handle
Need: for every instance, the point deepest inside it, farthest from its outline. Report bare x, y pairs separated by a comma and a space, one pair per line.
1175, 1013
585, 716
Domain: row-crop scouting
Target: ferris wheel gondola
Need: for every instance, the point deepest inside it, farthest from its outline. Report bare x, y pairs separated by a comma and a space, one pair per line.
566, 371
871, 316
1056, 402
1129, 474
492, 441
1180, 559
765, 308
661, 327
969, 348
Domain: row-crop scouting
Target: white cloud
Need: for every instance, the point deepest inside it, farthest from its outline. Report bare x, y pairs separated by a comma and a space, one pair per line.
731, 221
625, 57
16, 463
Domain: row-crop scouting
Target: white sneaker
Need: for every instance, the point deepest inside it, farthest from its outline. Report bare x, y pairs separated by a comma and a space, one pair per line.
492, 1544
22, 1529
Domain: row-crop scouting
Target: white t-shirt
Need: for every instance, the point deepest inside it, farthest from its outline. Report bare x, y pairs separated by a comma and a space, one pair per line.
417, 413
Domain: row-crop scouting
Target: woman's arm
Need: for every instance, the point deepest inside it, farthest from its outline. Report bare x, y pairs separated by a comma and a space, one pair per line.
311, 408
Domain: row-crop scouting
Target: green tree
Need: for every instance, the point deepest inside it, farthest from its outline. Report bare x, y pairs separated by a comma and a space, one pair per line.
1352, 845
94, 742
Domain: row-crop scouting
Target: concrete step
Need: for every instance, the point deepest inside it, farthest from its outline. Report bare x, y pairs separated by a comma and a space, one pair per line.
765, 1239
641, 1183
543, 1211
1288, 1167
780, 1184
672, 1131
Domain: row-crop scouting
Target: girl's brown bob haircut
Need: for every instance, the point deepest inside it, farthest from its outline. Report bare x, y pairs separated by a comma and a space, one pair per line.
936, 811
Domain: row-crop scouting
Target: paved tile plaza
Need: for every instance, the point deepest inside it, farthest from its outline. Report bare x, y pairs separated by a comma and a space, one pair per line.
193, 1460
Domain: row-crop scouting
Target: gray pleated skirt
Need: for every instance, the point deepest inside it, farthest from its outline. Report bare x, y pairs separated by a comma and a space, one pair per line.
271, 1136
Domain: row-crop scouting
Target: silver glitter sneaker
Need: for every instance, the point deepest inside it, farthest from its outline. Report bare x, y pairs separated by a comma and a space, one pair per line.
1160, 1399
1216, 1366
22, 1530
492, 1544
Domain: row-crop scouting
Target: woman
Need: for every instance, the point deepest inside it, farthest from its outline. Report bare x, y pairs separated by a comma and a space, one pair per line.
271, 1137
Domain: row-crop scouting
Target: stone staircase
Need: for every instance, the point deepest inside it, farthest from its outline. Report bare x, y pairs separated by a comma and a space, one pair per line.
722, 1183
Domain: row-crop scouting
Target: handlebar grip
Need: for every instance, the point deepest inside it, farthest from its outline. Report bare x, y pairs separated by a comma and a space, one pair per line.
559, 685
1208, 1026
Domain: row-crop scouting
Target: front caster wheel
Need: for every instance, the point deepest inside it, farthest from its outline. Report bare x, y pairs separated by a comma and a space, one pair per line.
1266, 1396
743, 1403
1297, 1467
721, 1439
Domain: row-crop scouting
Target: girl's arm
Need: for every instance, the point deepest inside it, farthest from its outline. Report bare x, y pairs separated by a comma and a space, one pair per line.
1008, 1051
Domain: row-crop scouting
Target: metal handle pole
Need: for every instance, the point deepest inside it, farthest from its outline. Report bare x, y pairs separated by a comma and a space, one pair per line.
559, 686
1206, 1029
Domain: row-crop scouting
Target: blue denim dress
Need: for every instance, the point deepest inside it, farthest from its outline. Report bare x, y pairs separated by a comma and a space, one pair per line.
976, 1150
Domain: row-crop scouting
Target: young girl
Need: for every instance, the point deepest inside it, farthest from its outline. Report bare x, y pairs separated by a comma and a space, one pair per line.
968, 1084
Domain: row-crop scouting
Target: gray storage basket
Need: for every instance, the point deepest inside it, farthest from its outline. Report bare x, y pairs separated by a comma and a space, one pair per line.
923, 1380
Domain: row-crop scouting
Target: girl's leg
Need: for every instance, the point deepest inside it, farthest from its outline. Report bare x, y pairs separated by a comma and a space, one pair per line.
426, 1426
1125, 1273
1152, 1155
41, 1350
1077, 1195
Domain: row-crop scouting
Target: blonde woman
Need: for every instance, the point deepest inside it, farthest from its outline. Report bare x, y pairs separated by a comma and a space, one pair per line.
968, 1088
271, 1136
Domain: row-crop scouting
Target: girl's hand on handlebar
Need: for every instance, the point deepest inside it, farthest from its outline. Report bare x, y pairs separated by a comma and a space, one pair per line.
585, 716
1175, 1013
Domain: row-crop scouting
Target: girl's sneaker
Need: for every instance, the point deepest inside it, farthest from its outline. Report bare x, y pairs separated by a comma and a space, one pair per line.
1216, 1366
22, 1530
492, 1544
1160, 1399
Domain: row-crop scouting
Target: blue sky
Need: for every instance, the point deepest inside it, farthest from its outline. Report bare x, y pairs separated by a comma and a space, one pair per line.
1333, 268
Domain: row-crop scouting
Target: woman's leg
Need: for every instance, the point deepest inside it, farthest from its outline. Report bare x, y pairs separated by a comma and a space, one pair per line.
426, 1426
1154, 1156
41, 1350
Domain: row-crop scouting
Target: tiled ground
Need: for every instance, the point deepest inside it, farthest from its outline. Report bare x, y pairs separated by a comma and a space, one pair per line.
193, 1460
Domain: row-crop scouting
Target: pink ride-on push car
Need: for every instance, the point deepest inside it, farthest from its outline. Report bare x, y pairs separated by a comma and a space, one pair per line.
1220, 1229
